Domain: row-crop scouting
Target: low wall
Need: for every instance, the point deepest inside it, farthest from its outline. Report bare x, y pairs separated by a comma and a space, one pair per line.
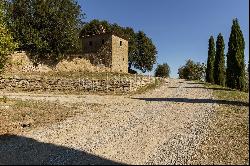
116, 84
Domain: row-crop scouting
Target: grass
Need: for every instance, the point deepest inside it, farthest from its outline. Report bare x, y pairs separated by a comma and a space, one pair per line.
17, 115
149, 87
228, 135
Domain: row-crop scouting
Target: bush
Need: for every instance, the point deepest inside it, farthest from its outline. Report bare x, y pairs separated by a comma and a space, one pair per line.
6, 41
47, 30
162, 70
192, 71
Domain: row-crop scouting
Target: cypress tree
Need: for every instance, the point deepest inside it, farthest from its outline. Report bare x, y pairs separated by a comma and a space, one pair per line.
210, 61
219, 63
235, 74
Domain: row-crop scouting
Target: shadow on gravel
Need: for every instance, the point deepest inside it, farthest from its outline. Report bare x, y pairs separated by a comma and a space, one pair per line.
186, 100
195, 83
212, 88
189, 87
18, 150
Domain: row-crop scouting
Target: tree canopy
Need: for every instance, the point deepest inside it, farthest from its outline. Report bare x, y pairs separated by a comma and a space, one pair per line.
7, 45
146, 57
45, 29
210, 61
235, 73
219, 63
192, 71
162, 70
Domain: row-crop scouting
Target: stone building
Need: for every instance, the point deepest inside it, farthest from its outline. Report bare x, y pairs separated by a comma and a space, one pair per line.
107, 49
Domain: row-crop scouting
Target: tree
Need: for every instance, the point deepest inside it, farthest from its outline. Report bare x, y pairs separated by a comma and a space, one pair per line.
6, 40
210, 61
192, 71
235, 73
219, 63
162, 70
146, 57
45, 29
95, 27
132, 47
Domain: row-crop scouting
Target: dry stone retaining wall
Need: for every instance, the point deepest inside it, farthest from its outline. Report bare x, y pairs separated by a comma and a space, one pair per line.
115, 84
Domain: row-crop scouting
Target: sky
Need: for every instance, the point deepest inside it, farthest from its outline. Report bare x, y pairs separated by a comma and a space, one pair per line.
179, 29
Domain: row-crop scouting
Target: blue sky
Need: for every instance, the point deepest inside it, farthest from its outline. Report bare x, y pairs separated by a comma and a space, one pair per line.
180, 29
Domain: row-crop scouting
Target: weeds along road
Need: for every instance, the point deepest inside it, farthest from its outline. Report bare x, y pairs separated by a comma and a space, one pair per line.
161, 126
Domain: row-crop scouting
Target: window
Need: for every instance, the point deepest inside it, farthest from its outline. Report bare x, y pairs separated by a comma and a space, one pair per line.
120, 43
123, 59
102, 41
90, 43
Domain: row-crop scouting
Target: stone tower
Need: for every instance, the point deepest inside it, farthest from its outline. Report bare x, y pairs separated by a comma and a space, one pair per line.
107, 49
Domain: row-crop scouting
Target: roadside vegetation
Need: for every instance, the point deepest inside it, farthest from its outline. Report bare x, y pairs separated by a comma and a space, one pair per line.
151, 86
234, 73
18, 115
162, 70
192, 71
7, 45
227, 140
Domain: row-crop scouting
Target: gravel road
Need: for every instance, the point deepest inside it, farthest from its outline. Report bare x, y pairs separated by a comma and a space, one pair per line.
161, 126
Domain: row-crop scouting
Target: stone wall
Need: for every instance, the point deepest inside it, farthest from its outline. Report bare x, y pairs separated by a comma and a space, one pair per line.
20, 63
115, 84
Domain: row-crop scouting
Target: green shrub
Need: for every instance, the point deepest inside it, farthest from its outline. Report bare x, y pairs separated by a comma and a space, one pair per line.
192, 71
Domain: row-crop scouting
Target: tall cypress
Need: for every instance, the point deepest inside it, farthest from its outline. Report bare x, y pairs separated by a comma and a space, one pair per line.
235, 74
210, 61
219, 63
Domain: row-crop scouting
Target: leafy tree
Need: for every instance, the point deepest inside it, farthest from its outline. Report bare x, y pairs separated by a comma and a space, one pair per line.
235, 73
95, 27
210, 61
146, 57
6, 40
192, 71
219, 63
132, 47
162, 70
45, 29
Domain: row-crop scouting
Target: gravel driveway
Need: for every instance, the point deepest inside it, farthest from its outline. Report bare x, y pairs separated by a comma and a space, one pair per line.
162, 126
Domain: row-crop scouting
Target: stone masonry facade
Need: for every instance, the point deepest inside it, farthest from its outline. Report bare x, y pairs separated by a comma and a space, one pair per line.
43, 84
108, 50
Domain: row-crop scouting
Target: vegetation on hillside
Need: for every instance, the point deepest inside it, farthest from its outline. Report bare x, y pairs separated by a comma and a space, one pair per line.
236, 77
234, 74
45, 29
162, 70
227, 142
7, 45
192, 71
219, 63
210, 61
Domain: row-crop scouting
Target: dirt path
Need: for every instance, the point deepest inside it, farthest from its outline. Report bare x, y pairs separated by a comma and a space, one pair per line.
163, 126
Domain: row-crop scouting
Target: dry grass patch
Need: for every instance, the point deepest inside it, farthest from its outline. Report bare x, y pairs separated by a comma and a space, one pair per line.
17, 115
149, 87
227, 140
